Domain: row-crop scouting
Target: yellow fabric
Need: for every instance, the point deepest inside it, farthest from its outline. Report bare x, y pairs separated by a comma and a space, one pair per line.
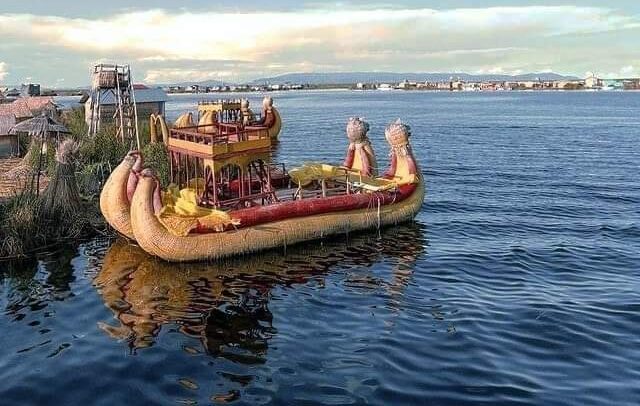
311, 171
402, 175
314, 171
181, 214
376, 184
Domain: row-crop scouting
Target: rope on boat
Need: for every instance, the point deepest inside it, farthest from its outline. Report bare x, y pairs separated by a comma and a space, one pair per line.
379, 221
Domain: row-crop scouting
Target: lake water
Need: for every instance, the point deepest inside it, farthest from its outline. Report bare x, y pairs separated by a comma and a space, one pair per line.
518, 283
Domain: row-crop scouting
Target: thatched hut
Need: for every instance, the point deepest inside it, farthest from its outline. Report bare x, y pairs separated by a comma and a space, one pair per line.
8, 142
18, 111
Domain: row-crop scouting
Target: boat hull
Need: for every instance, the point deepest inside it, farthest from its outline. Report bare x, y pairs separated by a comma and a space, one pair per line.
155, 239
114, 203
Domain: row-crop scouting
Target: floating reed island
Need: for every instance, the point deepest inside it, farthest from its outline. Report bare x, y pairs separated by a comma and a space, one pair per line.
227, 197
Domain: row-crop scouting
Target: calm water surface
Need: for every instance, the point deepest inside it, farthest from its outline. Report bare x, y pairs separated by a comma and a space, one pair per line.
518, 283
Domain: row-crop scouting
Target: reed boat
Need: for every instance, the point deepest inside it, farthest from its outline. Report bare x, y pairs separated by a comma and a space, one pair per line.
228, 198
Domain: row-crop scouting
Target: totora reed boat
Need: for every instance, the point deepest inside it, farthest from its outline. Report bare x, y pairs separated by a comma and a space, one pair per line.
226, 197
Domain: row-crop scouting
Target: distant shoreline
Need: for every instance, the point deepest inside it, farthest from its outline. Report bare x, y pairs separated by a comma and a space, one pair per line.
76, 92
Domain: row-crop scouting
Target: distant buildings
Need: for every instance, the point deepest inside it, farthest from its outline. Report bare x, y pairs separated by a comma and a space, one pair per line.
12, 93
591, 82
196, 88
30, 89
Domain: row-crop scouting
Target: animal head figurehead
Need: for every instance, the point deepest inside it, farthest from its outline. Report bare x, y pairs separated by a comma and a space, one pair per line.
267, 103
244, 104
397, 135
357, 130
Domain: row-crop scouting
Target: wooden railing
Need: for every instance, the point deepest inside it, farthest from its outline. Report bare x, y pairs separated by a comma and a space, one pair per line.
224, 133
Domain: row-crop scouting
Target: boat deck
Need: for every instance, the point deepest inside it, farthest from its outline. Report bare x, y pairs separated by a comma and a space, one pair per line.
222, 140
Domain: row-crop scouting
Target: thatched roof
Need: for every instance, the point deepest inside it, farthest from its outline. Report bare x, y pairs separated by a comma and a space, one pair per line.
18, 110
40, 125
26, 107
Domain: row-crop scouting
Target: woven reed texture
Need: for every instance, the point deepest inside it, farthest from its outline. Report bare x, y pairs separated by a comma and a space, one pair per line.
114, 204
274, 131
156, 240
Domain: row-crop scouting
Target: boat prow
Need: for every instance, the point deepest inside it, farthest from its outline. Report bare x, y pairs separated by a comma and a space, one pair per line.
114, 203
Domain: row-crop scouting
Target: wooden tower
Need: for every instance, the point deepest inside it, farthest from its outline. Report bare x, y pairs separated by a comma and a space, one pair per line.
112, 96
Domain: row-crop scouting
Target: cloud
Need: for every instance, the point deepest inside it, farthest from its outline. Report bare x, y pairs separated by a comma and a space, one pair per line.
624, 72
173, 75
259, 36
184, 45
3, 70
627, 70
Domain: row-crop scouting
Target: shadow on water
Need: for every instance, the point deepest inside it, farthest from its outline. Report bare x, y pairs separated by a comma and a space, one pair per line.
225, 305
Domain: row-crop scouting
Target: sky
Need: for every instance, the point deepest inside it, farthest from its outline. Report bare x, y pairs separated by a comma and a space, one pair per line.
55, 43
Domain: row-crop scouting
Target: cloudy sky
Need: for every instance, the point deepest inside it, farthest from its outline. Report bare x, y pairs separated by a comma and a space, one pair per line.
56, 42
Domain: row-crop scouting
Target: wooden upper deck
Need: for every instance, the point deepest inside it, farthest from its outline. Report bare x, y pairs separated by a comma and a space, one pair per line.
219, 140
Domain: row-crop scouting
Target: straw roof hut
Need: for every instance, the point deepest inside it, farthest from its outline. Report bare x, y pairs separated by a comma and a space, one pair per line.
8, 141
39, 128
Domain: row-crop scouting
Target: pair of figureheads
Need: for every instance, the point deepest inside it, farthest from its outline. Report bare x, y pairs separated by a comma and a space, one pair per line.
360, 154
249, 118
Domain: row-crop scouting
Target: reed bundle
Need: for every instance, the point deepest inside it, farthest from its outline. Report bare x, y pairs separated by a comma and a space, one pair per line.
61, 198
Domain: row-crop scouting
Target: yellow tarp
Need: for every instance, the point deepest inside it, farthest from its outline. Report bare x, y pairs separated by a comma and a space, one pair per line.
311, 171
181, 214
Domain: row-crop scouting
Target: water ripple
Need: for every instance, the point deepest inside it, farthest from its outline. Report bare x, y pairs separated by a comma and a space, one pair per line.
518, 283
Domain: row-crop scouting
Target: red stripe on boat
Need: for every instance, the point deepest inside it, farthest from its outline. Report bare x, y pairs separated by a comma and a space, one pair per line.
254, 216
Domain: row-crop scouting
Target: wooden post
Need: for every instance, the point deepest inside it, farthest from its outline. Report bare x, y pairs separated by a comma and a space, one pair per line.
171, 178
39, 165
195, 170
186, 167
215, 187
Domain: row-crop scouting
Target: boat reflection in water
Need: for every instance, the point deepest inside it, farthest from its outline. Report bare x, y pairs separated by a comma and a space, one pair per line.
225, 304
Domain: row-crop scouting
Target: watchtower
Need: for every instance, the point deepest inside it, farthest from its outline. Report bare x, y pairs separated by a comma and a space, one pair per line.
112, 86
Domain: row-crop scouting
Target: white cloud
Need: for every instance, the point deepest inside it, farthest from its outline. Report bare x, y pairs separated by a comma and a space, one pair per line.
171, 75
166, 47
627, 70
624, 72
158, 35
3, 70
